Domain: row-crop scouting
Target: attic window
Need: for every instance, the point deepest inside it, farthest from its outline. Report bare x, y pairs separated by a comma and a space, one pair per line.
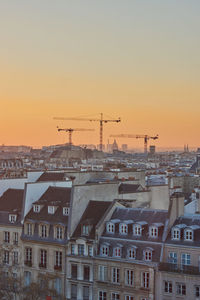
175, 234
147, 255
65, 211
153, 231
110, 227
51, 209
36, 208
12, 218
85, 229
123, 228
188, 235
137, 230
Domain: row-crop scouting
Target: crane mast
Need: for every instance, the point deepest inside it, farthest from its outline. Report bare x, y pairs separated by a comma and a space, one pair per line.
101, 120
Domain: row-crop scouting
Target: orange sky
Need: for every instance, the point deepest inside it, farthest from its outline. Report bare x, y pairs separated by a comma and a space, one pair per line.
135, 60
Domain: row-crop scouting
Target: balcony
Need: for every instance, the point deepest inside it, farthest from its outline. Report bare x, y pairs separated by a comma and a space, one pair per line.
28, 263
41, 265
57, 268
184, 269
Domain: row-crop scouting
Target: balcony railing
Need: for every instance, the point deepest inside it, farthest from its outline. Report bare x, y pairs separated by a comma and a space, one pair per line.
185, 269
28, 263
57, 268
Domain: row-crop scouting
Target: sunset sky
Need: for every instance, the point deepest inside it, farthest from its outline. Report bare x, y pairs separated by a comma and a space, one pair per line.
134, 59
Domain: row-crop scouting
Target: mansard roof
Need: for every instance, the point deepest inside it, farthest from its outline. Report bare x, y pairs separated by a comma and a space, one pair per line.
52, 176
125, 188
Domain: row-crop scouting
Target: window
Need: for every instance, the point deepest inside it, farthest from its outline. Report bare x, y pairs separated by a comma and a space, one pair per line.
188, 235
148, 255
15, 257
110, 227
7, 236
131, 253
73, 292
86, 273
36, 208
90, 250
197, 291
129, 277
115, 296
117, 252
103, 273
85, 292
145, 280
173, 258
185, 259
167, 287
127, 297
6, 257
29, 229
181, 289
27, 278
81, 249
59, 233
137, 230
85, 229
12, 218
15, 238
72, 249
65, 211
43, 231
58, 260
28, 255
123, 228
74, 270
58, 285
153, 231
115, 275
43, 258
104, 250
51, 210
175, 234
102, 295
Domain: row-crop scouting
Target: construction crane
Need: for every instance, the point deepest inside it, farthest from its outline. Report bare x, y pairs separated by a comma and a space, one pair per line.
101, 120
137, 136
70, 130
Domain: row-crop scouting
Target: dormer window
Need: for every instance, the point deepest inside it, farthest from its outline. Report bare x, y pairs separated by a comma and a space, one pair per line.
12, 218
123, 228
110, 227
65, 211
85, 229
137, 230
175, 234
188, 235
147, 254
153, 231
51, 210
117, 252
43, 231
104, 250
59, 232
131, 253
36, 208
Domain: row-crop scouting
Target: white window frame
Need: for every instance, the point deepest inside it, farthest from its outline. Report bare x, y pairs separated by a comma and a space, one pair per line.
102, 295
85, 229
36, 208
51, 209
129, 277
115, 296
129, 297
29, 229
12, 218
131, 253
181, 289
188, 235
185, 259
65, 211
117, 251
173, 259
147, 254
175, 234
168, 287
102, 273
137, 229
153, 231
115, 275
104, 250
123, 228
43, 231
59, 232
110, 227
145, 280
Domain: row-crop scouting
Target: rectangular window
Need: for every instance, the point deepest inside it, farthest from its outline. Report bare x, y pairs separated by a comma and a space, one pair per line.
29, 228
7, 236
72, 249
129, 277
115, 275
103, 273
115, 296
185, 259
65, 211
90, 251
197, 291
27, 278
15, 238
85, 292
86, 273
12, 218
6, 257
81, 249
73, 292
43, 231
58, 260
102, 295
28, 253
58, 285
145, 280
167, 287
74, 271
85, 229
15, 257
127, 297
173, 258
181, 289
59, 233
43, 258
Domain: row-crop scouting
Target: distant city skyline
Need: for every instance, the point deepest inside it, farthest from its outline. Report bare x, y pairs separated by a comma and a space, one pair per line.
138, 60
